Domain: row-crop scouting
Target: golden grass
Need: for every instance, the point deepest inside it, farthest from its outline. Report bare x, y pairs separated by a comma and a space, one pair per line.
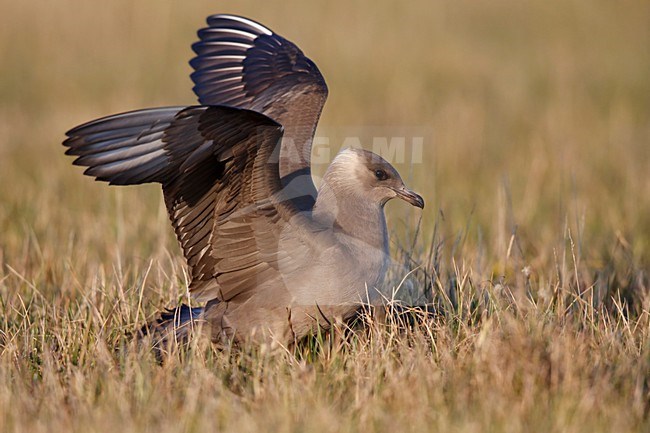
536, 158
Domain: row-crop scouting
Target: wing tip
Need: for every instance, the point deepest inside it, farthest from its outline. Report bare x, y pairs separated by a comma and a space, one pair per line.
68, 143
213, 20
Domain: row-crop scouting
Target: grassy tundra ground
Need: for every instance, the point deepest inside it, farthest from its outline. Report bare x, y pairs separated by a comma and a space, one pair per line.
534, 244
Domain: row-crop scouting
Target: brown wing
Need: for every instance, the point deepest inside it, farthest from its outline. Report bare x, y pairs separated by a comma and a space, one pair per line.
219, 171
227, 206
243, 64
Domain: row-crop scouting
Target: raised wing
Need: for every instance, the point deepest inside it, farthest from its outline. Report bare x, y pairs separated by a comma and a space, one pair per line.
243, 64
219, 172
124, 149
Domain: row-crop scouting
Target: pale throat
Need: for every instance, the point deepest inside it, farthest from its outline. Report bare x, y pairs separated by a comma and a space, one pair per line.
344, 207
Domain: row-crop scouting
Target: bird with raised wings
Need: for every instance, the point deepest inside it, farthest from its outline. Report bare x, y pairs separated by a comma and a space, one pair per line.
270, 257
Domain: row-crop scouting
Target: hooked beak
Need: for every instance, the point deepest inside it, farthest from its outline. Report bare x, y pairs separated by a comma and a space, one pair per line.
410, 197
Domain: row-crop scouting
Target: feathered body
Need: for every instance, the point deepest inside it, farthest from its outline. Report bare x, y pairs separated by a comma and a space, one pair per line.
271, 258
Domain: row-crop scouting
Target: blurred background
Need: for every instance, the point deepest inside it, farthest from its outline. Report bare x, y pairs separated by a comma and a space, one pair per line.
534, 242
537, 120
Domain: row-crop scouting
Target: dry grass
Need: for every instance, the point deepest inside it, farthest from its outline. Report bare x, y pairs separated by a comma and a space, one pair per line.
536, 158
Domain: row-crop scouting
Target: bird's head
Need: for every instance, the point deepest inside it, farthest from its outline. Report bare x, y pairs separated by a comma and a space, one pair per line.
371, 176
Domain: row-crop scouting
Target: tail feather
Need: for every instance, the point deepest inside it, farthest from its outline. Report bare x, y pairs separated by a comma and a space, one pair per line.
173, 326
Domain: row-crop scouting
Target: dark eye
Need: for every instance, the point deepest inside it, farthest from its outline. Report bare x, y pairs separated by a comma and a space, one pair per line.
381, 174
